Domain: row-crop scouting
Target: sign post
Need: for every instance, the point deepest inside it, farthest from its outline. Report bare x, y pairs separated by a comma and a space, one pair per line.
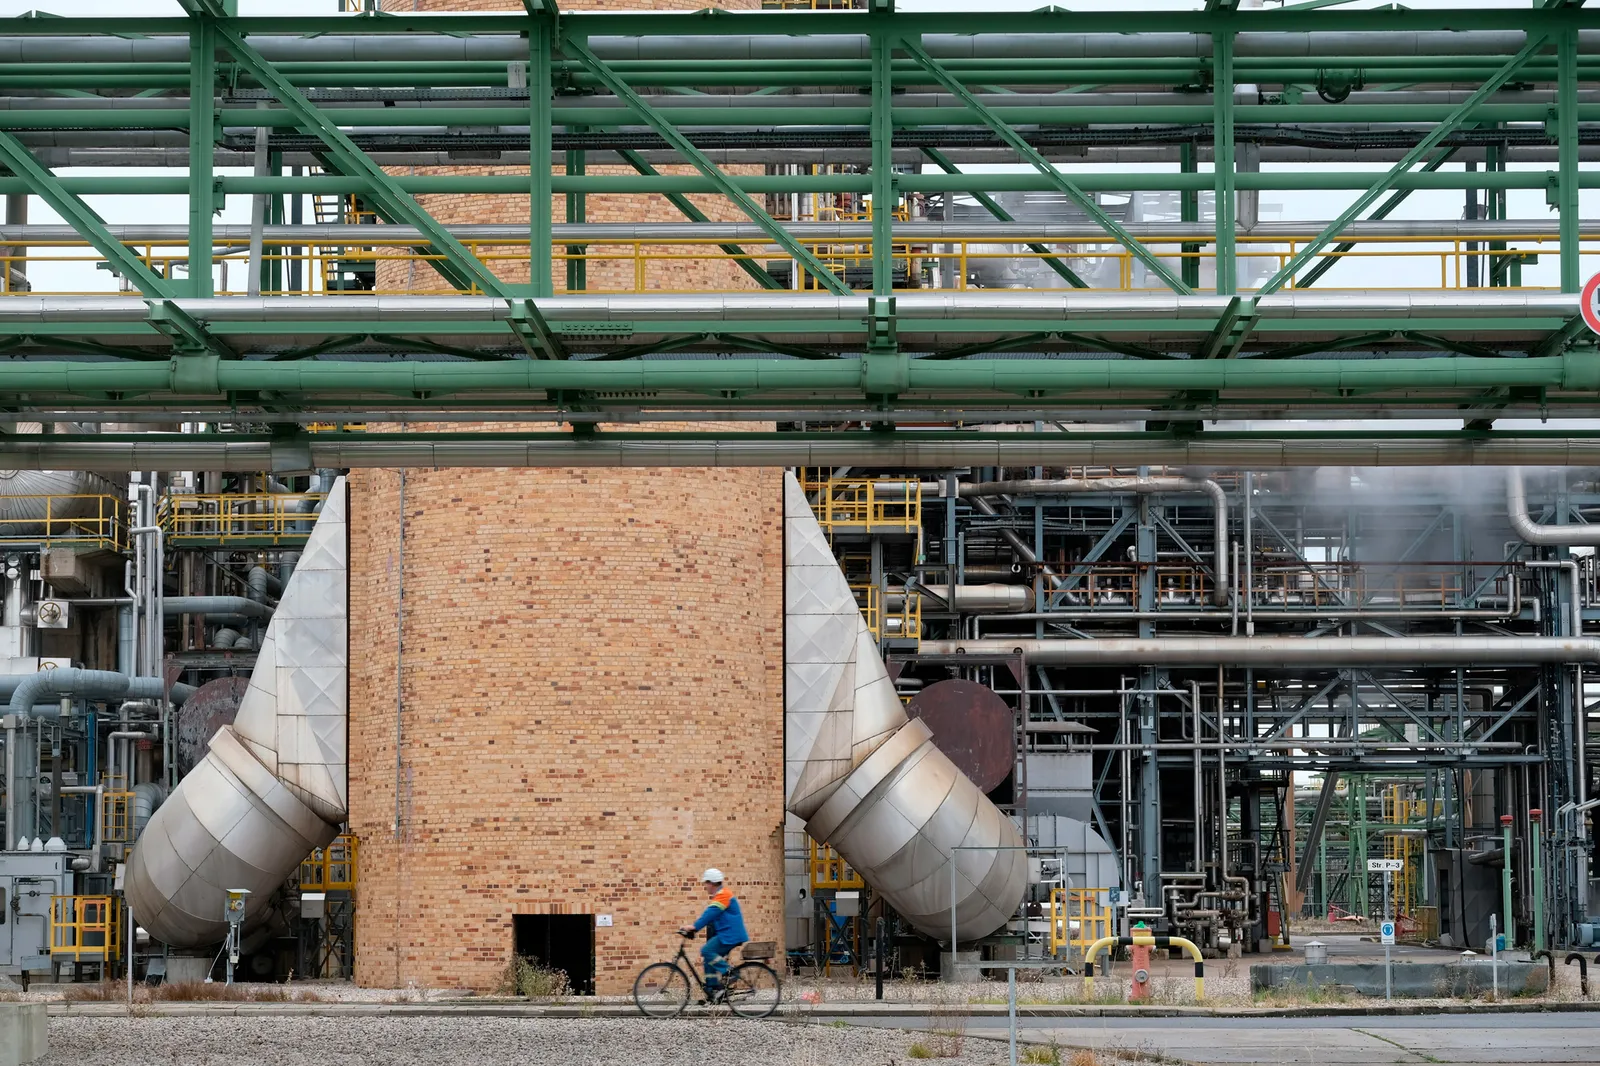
1589, 306
1386, 931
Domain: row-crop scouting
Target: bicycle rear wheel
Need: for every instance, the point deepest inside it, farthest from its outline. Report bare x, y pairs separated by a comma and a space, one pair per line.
661, 990
753, 990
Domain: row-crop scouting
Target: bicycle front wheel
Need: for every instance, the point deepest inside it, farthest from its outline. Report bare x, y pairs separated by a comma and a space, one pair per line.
753, 990
661, 990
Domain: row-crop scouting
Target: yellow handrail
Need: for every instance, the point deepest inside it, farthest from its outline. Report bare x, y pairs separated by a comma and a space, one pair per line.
331, 869
227, 517
87, 519
86, 927
830, 870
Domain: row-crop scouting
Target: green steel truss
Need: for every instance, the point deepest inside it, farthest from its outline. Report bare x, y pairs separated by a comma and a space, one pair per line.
877, 352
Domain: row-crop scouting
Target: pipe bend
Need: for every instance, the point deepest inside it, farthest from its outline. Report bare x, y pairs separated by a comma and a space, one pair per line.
1524, 526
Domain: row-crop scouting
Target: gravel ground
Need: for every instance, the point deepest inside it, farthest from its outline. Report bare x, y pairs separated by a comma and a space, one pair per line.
431, 1041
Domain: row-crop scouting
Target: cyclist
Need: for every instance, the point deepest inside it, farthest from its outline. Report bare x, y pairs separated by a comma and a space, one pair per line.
724, 925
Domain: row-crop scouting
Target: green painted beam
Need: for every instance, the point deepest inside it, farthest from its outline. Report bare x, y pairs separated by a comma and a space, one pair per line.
1031, 156
1462, 113
213, 8
462, 265
41, 182
1567, 176
658, 122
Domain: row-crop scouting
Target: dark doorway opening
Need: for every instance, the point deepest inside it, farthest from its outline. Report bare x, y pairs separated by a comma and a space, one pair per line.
561, 942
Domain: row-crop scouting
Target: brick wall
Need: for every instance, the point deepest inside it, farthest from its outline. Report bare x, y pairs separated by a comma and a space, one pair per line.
591, 684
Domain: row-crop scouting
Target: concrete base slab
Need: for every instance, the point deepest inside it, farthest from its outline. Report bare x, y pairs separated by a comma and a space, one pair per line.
962, 968
1410, 980
23, 1033
185, 968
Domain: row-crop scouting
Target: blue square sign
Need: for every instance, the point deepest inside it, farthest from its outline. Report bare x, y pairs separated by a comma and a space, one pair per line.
1386, 931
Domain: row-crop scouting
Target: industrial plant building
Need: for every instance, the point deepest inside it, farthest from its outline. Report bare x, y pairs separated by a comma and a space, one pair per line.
625, 440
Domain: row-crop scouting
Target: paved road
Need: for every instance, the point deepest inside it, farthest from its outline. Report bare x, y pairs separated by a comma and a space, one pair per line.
1558, 1038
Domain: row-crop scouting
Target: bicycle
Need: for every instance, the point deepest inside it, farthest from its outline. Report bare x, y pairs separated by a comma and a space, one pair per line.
750, 989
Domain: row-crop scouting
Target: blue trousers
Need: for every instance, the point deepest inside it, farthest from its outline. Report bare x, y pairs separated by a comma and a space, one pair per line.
714, 956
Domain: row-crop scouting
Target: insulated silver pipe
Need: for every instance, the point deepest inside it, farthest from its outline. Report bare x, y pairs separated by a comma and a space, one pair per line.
1277, 652
1063, 310
903, 451
508, 47
917, 230
1524, 526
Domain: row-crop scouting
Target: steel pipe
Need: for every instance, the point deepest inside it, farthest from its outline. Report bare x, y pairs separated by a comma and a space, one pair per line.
1525, 527
903, 450
1280, 652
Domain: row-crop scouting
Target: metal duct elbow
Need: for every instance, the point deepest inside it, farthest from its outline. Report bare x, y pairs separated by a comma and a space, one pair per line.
1524, 526
273, 786
870, 782
262, 584
50, 685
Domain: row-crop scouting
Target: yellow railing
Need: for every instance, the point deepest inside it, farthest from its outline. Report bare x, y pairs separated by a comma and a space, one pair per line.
624, 265
116, 808
830, 870
256, 517
96, 521
1078, 918
862, 505
903, 621
331, 869
86, 928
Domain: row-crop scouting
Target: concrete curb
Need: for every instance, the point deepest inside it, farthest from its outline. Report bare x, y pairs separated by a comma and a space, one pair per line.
796, 1012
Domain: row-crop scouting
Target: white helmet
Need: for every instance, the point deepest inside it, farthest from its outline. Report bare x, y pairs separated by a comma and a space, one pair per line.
713, 875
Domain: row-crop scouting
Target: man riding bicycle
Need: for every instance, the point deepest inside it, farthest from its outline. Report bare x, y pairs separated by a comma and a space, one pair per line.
724, 925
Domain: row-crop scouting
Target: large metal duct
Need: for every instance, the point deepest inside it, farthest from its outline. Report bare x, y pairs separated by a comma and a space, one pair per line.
870, 782
273, 785
1524, 526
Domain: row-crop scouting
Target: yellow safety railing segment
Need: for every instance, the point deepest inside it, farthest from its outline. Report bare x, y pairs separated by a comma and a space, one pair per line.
630, 265
87, 520
222, 517
116, 810
86, 928
1078, 918
331, 869
868, 505
830, 870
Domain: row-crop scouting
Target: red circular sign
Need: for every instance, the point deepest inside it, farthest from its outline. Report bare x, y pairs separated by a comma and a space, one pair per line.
1587, 305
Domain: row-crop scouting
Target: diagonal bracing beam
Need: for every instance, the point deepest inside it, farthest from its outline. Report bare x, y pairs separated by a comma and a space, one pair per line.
991, 205
689, 211
624, 93
214, 8
1452, 122
1383, 210
1031, 155
81, 217
461, 264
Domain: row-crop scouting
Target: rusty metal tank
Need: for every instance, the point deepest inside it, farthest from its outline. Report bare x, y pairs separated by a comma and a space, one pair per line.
971, 725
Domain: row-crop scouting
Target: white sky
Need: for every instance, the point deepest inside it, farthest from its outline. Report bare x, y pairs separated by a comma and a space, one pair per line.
1387, 272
